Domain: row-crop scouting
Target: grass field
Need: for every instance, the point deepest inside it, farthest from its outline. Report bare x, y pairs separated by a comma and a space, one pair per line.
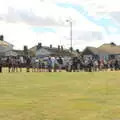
60, 96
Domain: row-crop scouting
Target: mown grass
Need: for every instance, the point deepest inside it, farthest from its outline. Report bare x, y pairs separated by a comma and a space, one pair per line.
60, 96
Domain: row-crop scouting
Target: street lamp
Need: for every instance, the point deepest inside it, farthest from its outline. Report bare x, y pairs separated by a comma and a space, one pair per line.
70, 21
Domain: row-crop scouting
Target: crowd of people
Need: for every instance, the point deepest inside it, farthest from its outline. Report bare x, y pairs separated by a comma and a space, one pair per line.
91, 64
58, 64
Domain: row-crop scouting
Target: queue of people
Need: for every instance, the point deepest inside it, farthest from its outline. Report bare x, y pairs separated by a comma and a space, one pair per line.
15, 64
58, 64
92, 65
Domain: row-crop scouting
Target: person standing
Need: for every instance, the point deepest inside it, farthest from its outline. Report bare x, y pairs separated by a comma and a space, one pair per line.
49, 64
0, 65
60, 61
9, 63
78, 64
33, 64
116, 64
55, 65
28, 62
37, 64
70, 65
20, 63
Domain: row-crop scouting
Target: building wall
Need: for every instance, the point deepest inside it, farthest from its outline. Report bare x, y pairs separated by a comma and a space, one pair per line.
103, 56
97, 55
4, 49
10, 53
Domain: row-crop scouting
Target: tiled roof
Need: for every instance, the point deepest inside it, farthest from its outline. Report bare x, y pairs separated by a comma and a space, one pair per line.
3, 43
109, 48
54, 51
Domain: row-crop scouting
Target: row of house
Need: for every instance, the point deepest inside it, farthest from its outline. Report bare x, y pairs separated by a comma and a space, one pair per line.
105, 51
45, 51
6, 49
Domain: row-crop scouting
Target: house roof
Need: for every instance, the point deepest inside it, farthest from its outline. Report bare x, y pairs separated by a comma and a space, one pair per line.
5, 46
19, 52
95, 51
110, 48
55, 51
4, 43
104, 49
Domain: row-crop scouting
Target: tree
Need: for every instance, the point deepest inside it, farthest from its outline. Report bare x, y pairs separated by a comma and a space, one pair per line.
113, 44
71, 49
77, 50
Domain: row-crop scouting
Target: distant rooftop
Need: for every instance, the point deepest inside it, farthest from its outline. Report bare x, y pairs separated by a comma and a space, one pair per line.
109, 48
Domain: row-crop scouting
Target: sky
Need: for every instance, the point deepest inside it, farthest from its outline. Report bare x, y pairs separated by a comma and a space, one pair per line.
27, 22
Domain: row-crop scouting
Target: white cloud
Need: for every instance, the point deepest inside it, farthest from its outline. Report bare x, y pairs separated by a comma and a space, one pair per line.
35, 12
97, 8
18, 17
94, 5
22, 34
17, 34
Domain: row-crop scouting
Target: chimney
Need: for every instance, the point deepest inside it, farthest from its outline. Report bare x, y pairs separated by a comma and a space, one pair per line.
1, 37
50, 46
25, 50
61, 48
58, 47
39, 46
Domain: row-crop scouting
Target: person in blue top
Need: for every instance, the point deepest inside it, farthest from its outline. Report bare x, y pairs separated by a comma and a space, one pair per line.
49, 64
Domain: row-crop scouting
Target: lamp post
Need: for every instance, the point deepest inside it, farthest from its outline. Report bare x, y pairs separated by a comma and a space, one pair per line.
71, 33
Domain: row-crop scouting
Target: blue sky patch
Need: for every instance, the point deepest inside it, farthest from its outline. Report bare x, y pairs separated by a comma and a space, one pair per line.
104, 22
43, 29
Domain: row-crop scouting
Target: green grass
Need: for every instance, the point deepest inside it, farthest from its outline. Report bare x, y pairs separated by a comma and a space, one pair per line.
60, 96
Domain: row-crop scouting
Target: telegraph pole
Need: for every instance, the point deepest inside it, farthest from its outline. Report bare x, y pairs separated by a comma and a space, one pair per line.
71, 33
